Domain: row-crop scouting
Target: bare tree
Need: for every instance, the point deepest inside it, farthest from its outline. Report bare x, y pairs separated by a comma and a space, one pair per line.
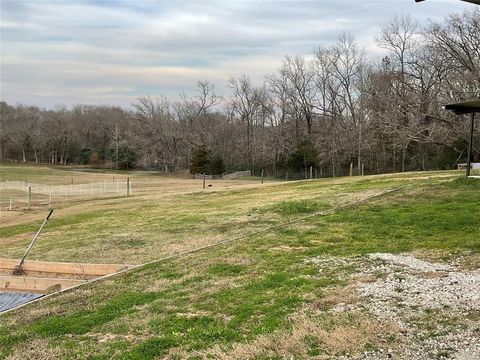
300, 87
459, 37
245, 104
157, 133
386, 115
347, 66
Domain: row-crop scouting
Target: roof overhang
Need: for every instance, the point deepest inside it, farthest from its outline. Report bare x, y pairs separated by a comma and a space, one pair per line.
470, 1
464, 107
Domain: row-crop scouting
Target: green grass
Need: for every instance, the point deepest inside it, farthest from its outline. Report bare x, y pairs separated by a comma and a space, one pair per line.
294, 207
83, 321
236, 293
143, 228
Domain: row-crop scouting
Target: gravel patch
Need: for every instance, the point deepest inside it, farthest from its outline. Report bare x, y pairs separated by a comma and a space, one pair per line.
410, 262
415, 284
436, 306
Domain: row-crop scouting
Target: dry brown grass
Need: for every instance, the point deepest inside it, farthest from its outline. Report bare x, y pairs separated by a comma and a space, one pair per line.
345, 295
144, 186
35, 350
331, 334
114, 239
165, 217
105, 337
286, 248
468, 262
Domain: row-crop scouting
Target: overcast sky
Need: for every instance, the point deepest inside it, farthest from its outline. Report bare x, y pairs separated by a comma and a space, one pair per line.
111, 52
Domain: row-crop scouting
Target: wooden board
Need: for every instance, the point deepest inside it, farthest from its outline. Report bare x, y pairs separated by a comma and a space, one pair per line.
62, 268
35, 284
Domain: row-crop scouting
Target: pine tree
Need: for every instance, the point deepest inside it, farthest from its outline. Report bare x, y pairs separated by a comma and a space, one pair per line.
201, 160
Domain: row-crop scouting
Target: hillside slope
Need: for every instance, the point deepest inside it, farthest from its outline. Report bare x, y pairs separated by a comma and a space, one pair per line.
315, 288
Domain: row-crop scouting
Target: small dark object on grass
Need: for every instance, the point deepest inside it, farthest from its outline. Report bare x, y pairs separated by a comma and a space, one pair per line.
210, 185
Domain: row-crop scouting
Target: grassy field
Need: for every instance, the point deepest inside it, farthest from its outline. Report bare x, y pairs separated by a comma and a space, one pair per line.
262, 296
168, 215
142, 183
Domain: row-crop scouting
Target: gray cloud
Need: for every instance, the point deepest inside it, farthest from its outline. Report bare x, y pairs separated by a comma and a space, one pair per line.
111, 52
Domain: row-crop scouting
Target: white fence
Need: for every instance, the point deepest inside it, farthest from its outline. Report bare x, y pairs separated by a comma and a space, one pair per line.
72, 189
473, 166
21, 195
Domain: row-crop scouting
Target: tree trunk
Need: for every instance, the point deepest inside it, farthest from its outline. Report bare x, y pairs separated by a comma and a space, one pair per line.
394, 160
359, 149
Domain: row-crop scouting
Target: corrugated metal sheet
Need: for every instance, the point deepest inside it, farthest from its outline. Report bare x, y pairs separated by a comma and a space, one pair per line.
9, 300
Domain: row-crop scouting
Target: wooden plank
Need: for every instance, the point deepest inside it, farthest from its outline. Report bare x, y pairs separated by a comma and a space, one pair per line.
34, 284
63, 268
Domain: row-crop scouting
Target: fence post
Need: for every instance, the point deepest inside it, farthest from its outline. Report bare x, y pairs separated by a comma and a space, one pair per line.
204, 181
10, 207
311, 172
29, 197
262, 176
128, 186
286, 175
363, 169
351, 168
50, 200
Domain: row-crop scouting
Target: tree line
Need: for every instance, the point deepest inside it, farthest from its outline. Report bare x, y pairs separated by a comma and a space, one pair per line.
335, 110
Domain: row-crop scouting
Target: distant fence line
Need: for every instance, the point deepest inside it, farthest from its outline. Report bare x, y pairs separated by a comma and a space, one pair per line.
229, 176
473, 166
71, 189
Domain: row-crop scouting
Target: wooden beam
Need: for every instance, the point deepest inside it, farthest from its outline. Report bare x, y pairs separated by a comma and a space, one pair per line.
34, 284
63, 268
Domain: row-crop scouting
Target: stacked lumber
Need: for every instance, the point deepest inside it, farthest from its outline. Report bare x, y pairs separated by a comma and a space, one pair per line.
47, 277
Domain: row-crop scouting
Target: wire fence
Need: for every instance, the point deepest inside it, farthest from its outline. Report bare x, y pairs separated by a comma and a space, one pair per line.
16, 195
229, 176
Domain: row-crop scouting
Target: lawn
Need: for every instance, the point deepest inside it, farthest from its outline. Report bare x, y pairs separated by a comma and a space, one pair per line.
156, 223
261, 296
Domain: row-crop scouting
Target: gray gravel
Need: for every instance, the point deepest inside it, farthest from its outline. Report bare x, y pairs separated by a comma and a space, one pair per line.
436, 306
417, 284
